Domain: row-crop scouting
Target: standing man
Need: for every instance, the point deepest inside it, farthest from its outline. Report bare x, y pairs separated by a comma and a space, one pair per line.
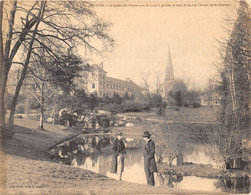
149, 159
118, 148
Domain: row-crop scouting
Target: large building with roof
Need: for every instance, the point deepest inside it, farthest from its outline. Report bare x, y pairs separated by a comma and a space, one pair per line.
99, 82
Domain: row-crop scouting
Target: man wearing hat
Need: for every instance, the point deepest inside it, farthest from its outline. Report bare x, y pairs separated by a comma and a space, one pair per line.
118, 148
149, 159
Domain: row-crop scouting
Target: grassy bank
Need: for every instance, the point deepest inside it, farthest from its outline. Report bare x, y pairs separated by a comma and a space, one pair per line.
27, 168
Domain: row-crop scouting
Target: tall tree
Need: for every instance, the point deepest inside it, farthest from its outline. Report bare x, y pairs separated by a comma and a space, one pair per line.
47, 78
55, 26
234, 67
236, 72
146, 84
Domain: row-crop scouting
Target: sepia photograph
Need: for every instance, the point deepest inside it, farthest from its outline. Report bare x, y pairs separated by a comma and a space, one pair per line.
125, 97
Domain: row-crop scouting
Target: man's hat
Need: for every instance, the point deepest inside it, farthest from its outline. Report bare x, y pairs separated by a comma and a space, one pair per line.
119, 134
147, 134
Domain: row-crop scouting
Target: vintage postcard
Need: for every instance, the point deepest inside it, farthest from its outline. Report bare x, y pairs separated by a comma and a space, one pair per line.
125, 97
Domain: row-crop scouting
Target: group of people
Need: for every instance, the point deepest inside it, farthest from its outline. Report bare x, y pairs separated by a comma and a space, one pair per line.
119, 153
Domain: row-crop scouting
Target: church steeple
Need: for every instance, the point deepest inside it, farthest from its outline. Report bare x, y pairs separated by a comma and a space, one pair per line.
169, 74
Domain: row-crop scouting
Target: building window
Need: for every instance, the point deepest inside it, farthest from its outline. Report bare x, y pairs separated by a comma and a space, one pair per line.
104, 77
107, 86
104, 85
93, 86
119, 87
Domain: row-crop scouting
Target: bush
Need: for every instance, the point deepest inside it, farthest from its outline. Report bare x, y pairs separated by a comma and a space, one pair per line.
196, 105
160, 112
20, 109
113, 108
34, 105
177, 109
186, 105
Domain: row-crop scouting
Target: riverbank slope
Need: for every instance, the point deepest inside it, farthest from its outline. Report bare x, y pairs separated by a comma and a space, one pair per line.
27, 168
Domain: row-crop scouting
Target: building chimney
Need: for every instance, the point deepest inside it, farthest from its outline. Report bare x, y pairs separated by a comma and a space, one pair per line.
101, 66
128, 79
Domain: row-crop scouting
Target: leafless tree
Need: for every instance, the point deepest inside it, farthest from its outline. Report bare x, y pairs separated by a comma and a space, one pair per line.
170, 138
170, 141
146, 84
56, 26
157, 83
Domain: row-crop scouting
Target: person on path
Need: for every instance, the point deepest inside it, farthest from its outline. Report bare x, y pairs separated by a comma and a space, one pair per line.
149, 159
118, 157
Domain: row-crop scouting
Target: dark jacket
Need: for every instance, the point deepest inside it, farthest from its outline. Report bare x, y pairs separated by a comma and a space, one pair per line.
118, 147
149, 159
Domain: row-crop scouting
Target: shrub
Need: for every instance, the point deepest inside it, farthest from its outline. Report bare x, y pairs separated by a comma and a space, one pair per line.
196, 105
34, 105
160, 112
20, 109
186, 105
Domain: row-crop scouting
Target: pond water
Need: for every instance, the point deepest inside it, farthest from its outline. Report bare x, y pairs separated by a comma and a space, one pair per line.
134, 172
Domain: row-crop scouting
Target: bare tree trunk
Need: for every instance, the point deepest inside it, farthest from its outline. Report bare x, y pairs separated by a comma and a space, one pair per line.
3, 80
41, 120
232, 88
54, 113
5, 63
25, 68
2, 72
15, 98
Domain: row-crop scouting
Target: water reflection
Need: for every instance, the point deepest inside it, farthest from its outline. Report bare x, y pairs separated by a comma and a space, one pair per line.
167, 179
134, 172
195, 153
241, 185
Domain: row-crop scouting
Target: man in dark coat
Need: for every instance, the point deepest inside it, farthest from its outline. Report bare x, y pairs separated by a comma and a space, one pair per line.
118, 148
149, 159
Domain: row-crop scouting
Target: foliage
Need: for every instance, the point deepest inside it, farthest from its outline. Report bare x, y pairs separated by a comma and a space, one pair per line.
20, 109
116, 98
170, 141
56, 27
93, 100
234, 69
135, 107
77, 101
156, 101
113, 108
126, 97
160, 112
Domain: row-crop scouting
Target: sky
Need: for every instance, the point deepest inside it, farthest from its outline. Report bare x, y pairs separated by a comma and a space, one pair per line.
143, 35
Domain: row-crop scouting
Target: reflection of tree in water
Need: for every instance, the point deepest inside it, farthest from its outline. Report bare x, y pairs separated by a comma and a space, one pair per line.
168, 179
133, 156
133, 143
239, 185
